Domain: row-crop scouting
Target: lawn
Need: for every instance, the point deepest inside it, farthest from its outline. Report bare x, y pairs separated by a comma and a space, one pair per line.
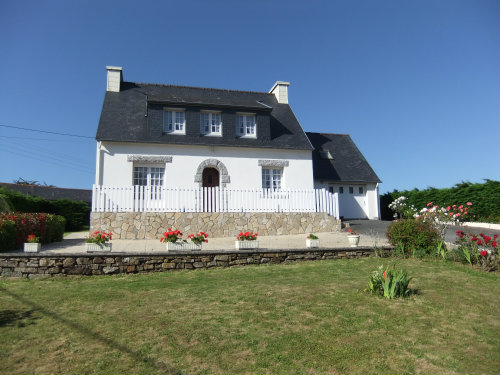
301, 318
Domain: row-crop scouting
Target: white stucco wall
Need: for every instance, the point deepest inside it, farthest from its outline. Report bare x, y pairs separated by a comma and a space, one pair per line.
241, 163
355, 205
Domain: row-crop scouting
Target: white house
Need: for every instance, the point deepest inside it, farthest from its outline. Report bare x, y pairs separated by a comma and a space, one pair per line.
166, 148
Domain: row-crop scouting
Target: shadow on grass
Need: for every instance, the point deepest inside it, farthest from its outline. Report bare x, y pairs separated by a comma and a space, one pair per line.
19, 318
9, 316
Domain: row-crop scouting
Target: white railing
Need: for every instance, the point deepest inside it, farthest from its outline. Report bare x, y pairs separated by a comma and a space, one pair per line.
161, 199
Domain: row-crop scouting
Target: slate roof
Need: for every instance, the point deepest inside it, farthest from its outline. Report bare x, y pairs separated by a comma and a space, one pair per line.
123, 116
347, 165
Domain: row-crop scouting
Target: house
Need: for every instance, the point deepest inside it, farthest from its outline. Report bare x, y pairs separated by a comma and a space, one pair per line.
339, 166
164, 148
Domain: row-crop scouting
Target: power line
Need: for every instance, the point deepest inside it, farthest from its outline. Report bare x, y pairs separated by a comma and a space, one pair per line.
46, 131
38, 139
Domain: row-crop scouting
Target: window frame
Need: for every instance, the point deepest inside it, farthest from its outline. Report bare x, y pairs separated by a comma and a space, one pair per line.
210, 114
244, 116
149, 178
171, 128
272, 178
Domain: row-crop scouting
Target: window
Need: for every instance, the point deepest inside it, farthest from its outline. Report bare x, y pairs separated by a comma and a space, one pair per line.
245, 125
150, 176
174, 121
351, 190
341, 190
360, 190
211, 123
331, 189
271, 178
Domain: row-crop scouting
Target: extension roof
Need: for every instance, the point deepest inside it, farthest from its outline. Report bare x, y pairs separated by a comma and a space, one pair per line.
123, 117
347, 163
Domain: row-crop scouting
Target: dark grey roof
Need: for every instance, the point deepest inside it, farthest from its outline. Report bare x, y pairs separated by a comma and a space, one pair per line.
347, 165
123, 116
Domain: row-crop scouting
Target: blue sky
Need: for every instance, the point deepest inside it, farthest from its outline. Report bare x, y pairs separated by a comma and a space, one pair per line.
415, 83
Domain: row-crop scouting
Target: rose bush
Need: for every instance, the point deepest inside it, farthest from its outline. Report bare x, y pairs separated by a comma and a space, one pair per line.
16, 226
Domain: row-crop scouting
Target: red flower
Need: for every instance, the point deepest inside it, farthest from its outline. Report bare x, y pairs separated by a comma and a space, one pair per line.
484, 253
494, 244
479, 242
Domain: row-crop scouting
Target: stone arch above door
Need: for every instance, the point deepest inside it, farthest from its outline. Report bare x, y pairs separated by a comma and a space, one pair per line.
212, 163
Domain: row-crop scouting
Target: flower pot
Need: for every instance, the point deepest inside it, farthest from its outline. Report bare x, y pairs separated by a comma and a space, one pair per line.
241, 245
30, 247
312, 243
97, 247
182, 246
353, 239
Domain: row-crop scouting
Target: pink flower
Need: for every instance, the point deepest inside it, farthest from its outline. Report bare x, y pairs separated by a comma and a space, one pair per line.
429, 204
448, 208
469, 204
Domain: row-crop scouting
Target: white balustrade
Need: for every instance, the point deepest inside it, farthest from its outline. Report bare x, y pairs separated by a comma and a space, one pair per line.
161, 199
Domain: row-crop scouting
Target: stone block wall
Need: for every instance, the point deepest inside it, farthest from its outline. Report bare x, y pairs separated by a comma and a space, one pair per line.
151, 225
40, 265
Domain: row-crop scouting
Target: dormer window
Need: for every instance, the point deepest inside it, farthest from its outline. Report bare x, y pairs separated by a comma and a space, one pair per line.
325, 154
174, 121
211, 123
245, 125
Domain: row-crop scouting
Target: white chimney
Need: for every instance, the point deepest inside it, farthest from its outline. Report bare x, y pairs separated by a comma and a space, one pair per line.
115, 76
280, 90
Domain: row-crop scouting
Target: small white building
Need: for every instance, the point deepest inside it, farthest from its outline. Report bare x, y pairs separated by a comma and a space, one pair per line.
171, 148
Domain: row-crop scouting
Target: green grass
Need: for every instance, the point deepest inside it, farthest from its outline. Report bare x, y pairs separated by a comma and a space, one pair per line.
302, 318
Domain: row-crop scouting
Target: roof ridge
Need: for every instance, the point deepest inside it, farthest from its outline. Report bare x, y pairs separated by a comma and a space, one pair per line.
328, 133
197, 87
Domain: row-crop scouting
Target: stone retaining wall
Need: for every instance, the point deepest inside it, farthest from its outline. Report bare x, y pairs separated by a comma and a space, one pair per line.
151, 225
40, 265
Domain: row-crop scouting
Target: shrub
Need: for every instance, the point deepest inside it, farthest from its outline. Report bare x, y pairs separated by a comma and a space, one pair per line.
413, 236
48, 227
5, 205
481, 250
390, 283
485, 197
77, 213
7, 234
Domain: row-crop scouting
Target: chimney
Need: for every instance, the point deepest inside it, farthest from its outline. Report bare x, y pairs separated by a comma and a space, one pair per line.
280, 89
115, 76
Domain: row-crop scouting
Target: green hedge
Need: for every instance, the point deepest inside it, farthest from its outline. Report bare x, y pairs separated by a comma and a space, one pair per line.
15, 227
76, 213
485, 198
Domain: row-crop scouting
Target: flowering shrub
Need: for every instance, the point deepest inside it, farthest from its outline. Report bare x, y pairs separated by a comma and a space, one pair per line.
390, 283
476, 249
450, 214
199, 238
16, 226
402, 209
247, 236
32, 239
99, 237
413, 236
312, 236
171, 236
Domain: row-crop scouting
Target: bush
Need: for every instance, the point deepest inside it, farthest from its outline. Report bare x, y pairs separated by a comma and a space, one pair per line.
481, 250
5, 205
7, 234
413, 237
485, 198
77, 213
16, 227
